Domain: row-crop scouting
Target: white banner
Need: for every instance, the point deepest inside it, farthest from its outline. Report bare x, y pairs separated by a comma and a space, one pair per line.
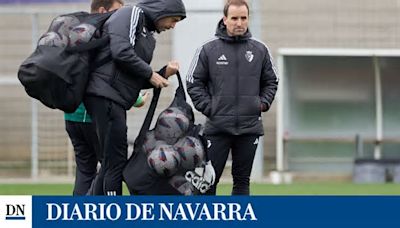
16, 211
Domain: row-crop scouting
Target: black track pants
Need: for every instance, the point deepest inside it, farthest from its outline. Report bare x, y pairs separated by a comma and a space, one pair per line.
110, 120
243, 149
86, 147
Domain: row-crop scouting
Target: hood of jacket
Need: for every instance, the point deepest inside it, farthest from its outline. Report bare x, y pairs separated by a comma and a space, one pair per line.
223, 34
155, 10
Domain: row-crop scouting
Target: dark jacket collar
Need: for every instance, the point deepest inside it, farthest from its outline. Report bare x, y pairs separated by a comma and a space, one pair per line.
223, 34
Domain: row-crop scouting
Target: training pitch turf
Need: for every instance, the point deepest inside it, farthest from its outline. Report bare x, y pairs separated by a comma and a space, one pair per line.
225, 189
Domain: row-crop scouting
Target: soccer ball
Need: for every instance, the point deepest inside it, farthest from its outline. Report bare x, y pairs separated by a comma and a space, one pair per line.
53, 39
180, 183
149, 142
171, 125
191, 151
164, 160
63, 24
81, 34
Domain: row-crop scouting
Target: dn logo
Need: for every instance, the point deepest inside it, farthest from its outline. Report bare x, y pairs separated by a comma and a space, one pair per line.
15, 212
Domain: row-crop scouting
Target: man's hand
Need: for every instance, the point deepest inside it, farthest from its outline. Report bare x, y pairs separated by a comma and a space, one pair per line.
145, 96
172, 68
158, 81
263, 107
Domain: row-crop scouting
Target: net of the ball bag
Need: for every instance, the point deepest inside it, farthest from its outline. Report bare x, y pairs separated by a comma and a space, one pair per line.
169, 159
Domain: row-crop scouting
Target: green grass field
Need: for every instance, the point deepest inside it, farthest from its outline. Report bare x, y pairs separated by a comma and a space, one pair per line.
225, 189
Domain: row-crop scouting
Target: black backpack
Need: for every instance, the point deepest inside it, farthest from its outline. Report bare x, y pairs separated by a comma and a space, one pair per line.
57, 72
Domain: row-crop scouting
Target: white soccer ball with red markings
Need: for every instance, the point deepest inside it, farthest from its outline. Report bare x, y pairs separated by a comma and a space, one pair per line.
63, 24
164, 160
150, 147
180, 183
149, 142
81, 34
53, 39
171, 125
191, 151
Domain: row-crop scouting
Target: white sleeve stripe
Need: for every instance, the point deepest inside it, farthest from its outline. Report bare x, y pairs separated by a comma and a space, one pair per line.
134, 15
192, 67
134, 21
130, 29
195, 60
270, 57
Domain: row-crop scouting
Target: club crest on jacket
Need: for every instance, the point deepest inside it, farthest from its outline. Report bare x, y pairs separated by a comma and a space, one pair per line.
249, 56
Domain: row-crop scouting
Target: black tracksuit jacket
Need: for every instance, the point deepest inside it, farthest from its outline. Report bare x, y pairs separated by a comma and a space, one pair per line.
229, 79
131, 46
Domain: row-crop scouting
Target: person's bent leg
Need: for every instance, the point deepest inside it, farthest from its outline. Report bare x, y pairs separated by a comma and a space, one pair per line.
97, 189
93, 143
110, 121
243, 152
115, 147
97, 108
85, 157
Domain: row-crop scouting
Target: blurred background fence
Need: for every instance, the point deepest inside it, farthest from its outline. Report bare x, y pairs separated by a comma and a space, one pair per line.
33, 140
